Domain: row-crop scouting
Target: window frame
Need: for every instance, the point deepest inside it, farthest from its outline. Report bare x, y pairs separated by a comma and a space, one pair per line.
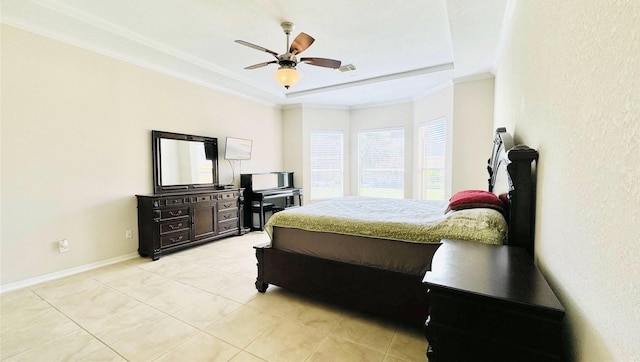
422, 166
313, 196
399, 193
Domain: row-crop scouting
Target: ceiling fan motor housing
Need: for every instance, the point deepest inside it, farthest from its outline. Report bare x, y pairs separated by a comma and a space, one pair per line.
286, 60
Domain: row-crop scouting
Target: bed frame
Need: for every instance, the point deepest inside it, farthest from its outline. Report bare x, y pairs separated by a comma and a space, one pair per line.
397, 295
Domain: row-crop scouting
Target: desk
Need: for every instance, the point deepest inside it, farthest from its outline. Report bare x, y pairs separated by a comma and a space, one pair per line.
490, 303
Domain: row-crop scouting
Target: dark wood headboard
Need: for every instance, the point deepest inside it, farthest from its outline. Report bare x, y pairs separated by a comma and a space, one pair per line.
510, 172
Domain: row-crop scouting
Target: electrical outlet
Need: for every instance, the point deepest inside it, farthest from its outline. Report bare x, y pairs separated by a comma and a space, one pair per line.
63, 246
128, 234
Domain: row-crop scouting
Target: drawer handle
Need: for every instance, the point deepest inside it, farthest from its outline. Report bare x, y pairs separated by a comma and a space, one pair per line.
176, 239
228, 205
176, 226
226, 216
177, 213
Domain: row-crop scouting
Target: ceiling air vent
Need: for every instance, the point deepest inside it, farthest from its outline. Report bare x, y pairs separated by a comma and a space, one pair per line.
347, 68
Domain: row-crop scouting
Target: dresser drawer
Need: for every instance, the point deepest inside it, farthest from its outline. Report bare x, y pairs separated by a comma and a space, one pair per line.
203, 198
174, 239
228, 195
173, 226
173, 213
227, 226
227, 204
174, 201
227, 215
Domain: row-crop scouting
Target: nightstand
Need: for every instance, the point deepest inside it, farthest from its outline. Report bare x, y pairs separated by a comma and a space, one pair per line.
490, 303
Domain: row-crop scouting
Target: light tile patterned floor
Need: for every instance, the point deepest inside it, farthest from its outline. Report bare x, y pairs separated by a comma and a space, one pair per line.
199, 304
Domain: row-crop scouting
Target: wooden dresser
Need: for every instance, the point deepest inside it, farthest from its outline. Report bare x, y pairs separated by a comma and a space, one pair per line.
171, 222
490, 303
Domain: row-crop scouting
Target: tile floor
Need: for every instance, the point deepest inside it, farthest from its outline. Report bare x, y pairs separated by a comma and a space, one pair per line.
195, 305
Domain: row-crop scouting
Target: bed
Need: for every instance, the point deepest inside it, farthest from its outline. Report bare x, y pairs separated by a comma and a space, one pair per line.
371, 254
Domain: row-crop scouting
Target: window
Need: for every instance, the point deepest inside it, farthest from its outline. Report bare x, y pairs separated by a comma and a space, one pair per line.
326, 165
381, 163
432, 143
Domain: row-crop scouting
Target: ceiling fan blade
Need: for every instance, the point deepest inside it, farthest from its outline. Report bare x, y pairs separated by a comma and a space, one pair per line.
260, 65
322, 62
300, 43
257, 47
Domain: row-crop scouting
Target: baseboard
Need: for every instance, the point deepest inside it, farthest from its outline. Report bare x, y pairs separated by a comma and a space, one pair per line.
64, 273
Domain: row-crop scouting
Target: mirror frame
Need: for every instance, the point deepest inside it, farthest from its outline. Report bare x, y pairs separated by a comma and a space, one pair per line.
211, 142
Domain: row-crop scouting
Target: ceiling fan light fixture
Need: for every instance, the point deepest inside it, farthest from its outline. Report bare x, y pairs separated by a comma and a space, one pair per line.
287, 76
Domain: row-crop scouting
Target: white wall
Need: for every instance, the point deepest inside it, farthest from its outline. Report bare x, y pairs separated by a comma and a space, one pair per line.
567, 84
293, 144
472, 132
76, 148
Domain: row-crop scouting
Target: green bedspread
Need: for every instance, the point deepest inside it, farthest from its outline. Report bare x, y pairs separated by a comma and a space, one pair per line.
398, 219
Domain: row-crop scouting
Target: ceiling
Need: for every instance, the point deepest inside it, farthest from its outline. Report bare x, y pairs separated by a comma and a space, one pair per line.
401, 50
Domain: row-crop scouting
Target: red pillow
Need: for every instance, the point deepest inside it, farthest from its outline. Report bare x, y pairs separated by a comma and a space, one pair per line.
470, 199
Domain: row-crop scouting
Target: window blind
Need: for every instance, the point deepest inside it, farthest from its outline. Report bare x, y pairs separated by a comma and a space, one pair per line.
433, 142
327, 174
381, 163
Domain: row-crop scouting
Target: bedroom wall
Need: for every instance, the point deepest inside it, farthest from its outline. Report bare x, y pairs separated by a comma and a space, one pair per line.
472, 126
76, 149
567, 84
292, 148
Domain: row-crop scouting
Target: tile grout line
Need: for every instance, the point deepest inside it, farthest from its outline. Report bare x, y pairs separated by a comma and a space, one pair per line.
77, 324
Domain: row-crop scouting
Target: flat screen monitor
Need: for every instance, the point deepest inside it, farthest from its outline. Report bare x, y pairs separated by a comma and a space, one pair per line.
238, 149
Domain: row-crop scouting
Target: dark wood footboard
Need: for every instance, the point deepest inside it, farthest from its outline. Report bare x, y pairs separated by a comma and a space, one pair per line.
386, 293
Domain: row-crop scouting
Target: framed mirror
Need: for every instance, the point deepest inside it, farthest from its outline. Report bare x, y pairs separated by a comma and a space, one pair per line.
183, 162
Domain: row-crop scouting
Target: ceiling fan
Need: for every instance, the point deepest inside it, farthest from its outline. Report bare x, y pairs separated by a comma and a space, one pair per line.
287, 75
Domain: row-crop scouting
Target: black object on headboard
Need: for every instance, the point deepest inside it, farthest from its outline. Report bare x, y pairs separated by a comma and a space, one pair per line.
518, 183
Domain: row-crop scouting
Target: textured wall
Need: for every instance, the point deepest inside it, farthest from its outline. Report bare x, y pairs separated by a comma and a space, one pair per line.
568, 83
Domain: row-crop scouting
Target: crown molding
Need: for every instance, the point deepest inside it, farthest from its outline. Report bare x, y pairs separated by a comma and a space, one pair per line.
433, 90
382, 104
367, 81
473, 77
